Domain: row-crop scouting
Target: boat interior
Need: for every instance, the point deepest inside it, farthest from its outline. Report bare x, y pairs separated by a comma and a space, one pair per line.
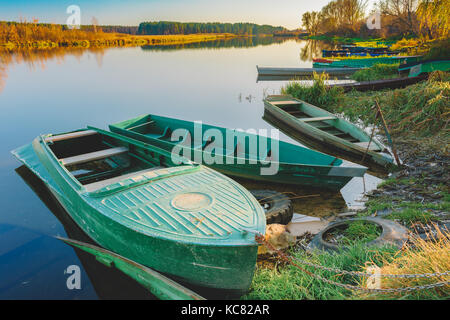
97, 160
245, 145
327, 124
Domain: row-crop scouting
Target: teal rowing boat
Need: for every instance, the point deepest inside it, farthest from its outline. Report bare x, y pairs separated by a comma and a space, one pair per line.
365, 62
151, 207
240, 154
323, 130
428, 66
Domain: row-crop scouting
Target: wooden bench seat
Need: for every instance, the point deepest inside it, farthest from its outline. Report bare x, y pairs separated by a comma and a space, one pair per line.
87, 157
285, 102
71, 135
317, 119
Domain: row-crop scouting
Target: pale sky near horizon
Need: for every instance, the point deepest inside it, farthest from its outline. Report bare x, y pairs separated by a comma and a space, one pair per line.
286, 13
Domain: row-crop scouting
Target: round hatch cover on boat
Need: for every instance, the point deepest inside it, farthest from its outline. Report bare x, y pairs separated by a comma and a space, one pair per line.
191, 201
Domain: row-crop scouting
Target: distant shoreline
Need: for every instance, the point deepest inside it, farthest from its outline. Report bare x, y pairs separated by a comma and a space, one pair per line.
115, 40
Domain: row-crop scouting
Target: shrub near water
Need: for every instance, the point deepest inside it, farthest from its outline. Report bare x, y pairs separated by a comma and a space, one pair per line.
421, 109
377, 72
317, 94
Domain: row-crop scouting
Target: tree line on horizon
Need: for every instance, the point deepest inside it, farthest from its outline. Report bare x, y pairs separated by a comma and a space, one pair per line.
23, 31
399, 18
171, 27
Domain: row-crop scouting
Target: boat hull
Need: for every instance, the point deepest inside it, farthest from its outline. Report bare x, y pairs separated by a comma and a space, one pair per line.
365, 62
264, 71
380, 84
325, 142
324, 175
221, 266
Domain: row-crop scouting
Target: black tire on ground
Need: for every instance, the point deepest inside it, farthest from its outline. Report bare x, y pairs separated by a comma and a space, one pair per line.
393, 233
277, 206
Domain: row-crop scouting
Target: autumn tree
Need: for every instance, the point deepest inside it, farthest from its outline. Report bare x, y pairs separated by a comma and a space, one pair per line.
311, 22
434, 18
403, 12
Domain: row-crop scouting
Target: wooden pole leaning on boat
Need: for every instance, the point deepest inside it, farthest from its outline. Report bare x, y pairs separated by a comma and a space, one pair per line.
388, 135
371, 136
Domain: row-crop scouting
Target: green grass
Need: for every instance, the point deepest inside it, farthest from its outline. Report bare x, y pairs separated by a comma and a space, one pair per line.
439, 50
411, 216
420, 110
355, 231
286, 282
375, 205
377, 72
290, 283
318, 94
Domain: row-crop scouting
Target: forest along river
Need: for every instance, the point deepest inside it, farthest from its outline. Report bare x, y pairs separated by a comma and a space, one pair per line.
59, 91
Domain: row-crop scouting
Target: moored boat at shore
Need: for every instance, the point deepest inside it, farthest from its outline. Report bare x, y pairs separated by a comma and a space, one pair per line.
365, 62
299, 72
325, 131
380, 84
241, 154
160, 210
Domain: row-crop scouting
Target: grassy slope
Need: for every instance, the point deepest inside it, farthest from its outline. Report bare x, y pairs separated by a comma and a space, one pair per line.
419, 110
418, 113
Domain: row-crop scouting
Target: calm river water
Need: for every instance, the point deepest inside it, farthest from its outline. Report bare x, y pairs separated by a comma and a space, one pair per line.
55, 92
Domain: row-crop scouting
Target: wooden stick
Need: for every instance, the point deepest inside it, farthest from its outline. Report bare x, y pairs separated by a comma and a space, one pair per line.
387, 134
371, 137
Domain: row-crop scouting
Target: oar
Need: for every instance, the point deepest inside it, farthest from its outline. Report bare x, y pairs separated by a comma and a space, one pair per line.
160, 286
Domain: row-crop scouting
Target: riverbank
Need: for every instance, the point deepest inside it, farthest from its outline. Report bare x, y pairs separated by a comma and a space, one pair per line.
417, 197
103, 40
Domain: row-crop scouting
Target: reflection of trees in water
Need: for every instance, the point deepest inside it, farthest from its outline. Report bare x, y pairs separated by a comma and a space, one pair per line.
38, 58
239, 42
3, 75
313, 49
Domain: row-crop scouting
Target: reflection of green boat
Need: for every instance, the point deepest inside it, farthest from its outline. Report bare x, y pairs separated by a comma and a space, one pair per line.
319, 127
161, 286
365, 62
182, 219
241, 154
427, 66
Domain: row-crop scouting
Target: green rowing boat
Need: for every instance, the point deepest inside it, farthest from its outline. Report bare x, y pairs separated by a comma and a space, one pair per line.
160, 210
241, 154
426, 67
323, 130
365, 62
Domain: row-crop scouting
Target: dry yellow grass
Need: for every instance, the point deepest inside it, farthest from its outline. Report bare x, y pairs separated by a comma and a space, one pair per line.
419, 257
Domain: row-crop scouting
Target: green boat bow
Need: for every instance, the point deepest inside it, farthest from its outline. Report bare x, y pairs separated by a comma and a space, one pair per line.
141, 202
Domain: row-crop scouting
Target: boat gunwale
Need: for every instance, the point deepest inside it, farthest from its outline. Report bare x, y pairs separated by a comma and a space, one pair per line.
309, 128
246, 239
341, 165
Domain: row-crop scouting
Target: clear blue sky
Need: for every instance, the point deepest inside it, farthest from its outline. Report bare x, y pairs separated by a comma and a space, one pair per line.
286, 13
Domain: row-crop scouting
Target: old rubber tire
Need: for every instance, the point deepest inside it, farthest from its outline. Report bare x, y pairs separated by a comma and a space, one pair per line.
393, 234
277, 206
